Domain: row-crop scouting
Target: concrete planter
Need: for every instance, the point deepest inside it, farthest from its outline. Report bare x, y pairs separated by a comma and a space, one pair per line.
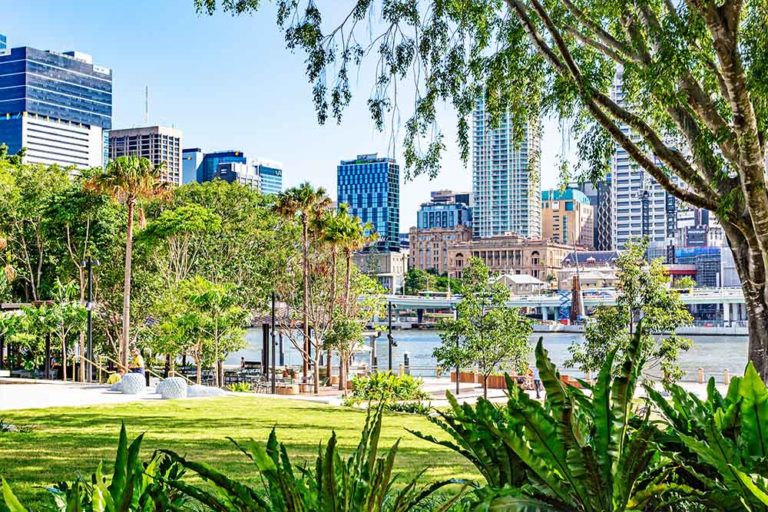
288, 389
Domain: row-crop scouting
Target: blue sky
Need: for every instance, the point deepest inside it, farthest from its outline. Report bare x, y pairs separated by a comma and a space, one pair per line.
229, 83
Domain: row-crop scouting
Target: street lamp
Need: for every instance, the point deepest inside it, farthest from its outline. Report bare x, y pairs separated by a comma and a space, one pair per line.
274, 347
89, 264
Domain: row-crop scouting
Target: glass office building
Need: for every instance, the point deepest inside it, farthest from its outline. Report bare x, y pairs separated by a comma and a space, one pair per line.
56, 105
211, 162
371, 187
271, 175
3, 42
443, 215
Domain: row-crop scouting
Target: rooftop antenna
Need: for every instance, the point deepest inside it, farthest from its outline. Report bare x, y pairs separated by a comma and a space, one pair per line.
146, 104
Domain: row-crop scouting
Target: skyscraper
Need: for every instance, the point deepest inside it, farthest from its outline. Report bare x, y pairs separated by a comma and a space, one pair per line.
600, 198
271, 176
371, 187
567, 217
191, 160
158, 144
640, 206
3, 42
506, 186
56, 105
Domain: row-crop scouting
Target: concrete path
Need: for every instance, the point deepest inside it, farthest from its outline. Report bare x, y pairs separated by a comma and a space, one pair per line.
30, 394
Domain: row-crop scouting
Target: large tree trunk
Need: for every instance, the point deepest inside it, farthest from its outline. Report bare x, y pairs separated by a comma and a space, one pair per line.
751, 268
125, 338
305, 271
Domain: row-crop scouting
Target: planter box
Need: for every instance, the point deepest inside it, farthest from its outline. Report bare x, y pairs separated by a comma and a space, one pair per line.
567, 380
334, 380
466, 377
290, 389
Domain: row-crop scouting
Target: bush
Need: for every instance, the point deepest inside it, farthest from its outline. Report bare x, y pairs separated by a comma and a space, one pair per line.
408, 407
385, 387
240, 387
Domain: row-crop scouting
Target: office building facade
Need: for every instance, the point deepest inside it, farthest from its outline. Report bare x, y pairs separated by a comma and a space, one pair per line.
567, 217
210, 164
509, 254
238, 172
506, 186
443, 215
428, 248
58, 106
371, 187
158, 144
191, 160
640, 206
3, 42
600, 198
270, 176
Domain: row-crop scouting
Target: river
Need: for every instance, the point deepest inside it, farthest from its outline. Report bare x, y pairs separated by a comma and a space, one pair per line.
712, 353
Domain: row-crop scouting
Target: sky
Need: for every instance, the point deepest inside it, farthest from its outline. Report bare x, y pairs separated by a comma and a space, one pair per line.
230, 83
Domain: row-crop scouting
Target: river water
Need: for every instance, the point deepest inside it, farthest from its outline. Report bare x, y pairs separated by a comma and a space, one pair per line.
712, 353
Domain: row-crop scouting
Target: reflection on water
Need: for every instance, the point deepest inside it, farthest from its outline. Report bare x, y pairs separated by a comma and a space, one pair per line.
712, 353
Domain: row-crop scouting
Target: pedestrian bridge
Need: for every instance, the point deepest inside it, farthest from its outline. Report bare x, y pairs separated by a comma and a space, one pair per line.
730, 301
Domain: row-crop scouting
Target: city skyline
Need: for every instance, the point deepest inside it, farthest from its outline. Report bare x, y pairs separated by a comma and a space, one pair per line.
253, 94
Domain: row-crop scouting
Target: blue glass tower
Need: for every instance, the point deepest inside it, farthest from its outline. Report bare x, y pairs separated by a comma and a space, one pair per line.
211, 162
271, 178
56, 105
3, 42
371, 187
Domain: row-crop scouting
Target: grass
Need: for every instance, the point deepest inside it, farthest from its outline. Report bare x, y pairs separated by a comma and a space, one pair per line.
65, 441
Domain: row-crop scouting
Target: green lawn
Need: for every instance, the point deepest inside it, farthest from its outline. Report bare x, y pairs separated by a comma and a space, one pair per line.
68, 440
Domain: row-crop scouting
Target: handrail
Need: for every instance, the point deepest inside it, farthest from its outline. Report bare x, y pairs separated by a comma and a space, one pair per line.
146, 369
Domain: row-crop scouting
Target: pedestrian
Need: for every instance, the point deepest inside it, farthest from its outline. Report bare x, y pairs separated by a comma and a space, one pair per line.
137, 362
537, 382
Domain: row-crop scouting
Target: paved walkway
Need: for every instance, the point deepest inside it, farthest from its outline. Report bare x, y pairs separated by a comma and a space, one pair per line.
30, 394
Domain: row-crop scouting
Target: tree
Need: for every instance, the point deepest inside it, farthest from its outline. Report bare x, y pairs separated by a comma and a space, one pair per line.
486, 333
692, 113
418, 280
643, 293
346, 333
129, 180
221, 321
27, 192
308, 204
64, 315
79, 225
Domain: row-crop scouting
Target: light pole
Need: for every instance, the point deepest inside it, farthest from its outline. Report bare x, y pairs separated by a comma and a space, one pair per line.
274, 347
89, 264
390, 339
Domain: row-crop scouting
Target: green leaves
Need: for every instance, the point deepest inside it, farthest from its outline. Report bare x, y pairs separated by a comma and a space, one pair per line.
577, 451
721, 440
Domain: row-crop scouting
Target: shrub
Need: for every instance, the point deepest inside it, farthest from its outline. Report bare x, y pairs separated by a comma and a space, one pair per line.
133, 486
576, 452
721, 442
385, 387
240, 387
408, 407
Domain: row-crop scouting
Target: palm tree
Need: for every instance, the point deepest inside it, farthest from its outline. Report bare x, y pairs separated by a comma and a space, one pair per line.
355, 236
331, 228
129, 180
308, 204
